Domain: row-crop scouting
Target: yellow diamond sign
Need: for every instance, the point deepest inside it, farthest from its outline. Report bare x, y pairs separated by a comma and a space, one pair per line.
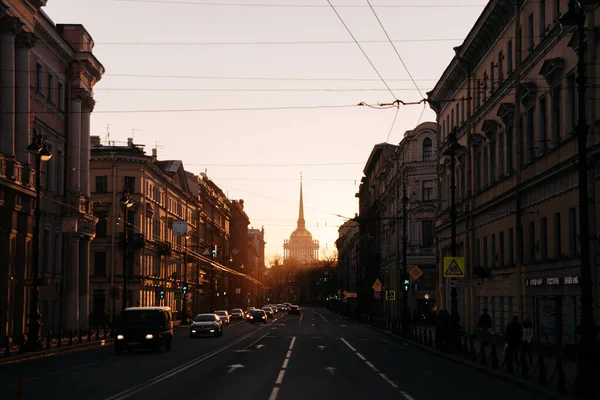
454, 267
377, 286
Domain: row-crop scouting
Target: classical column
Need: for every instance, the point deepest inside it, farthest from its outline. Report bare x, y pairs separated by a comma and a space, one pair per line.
24, 42
74, 140
85, 156
9, 27
84, 282
71, 284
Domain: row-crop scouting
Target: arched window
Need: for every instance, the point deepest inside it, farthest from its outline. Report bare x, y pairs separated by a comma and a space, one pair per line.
427, 149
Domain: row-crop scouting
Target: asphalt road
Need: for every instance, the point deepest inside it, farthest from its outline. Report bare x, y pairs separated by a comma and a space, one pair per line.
317, 355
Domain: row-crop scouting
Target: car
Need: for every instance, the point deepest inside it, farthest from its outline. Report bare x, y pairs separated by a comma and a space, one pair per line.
294, 309
144, 327
237, 313
206, 324
224, 315
287, 305
248, 311
269, 311
282, 307
257, 316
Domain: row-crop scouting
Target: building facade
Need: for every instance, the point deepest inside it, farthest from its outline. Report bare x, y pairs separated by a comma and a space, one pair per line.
510, 95
393, 173
47, 75
301, 249
347, 274
238, 285
256, 265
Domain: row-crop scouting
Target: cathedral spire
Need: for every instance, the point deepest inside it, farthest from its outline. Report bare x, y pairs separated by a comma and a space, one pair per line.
301, 221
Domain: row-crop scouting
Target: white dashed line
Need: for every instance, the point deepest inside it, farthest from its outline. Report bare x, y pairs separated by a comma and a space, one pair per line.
292, 343
348, 344
300, 320
280, 377
279, 380
388, 380
285, 363
361, 356
407, 396
289, 354
370, 364
274, 393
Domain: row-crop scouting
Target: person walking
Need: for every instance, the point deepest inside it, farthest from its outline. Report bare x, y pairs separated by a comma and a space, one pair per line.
527, 347
484, 326
514, 335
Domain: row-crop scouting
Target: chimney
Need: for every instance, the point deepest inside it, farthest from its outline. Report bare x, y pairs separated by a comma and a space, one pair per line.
129, 141
95, 140
242, 204
154, 153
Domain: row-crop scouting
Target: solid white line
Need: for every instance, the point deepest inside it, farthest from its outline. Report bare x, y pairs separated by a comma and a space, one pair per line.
285, 363
300, 320
289, 354
274, 393
361, 356
280, 377
256, 341
374, 368
292, 343
320, 315
407, 396
166, 375
348, 344
388, 380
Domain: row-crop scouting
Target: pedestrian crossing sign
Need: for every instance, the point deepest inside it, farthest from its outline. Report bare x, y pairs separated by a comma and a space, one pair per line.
454, 267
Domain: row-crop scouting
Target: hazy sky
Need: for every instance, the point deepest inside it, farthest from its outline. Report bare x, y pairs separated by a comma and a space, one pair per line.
258, 155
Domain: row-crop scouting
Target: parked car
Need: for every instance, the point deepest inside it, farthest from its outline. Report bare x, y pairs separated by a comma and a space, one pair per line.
258, 316
237, 313
144, 327
224, 315
294, 309
269, 311
206, 324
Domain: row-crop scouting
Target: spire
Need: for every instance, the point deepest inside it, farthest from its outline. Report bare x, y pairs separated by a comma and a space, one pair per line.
301, 221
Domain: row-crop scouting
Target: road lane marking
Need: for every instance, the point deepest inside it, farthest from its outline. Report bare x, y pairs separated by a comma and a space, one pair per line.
388, 380
292, 343
256, 341
374, 368
321, 347
280, 377
274, 393
361, 356
407, 396
300, 320
234, 367
285, 363
177, 370
289, 354
348, 344
331, 370
370, 364
62, 371
321, 315
242, 351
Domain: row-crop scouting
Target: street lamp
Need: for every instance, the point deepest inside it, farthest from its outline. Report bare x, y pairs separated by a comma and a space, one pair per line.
452, 150
184, 313
39, 149
126, 203
405, 313
588, 348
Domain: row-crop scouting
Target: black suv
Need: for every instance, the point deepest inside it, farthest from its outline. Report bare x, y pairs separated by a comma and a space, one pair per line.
144, 327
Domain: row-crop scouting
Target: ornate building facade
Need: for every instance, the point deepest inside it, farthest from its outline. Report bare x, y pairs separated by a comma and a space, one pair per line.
301, 248
47, 75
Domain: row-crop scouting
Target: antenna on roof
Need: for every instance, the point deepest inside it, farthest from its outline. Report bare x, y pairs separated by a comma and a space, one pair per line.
108, 134
158, 146
133, 132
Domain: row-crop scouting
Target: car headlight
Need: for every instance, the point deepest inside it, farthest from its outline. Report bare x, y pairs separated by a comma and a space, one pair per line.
251, 317
263, 317
120, 337
193, 331
149, 336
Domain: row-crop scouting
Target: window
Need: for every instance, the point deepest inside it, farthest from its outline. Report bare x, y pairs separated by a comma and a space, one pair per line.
485, 252
427, 191
38, 78
477, 152
477, 252
530, 132
129, 183
509, 57
427, 233
509, 149
477, 94
530, 32
462, 106
101, 184
492, 78
571, 102
427, 149
494, 255
531, 241
572, 231
102, 224
542, 125
458, 121
61, 96
485, 161
493, 161
485, 86
100, 263
60, 173
544, 238
500, 68
501, 249
555, 114
501, 154
542, 27
452, 119
511, 248
557, 237
51, 87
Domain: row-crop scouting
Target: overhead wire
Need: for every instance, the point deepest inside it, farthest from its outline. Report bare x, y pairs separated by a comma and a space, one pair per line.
271, 5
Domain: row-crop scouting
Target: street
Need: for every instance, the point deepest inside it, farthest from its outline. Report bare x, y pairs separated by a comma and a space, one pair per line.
316, 355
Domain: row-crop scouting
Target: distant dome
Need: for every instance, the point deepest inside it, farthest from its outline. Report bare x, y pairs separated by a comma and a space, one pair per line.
301, 232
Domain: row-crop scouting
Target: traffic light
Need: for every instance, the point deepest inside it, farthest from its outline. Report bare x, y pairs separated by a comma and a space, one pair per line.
406, 285
162, 294
214, 251
185, 289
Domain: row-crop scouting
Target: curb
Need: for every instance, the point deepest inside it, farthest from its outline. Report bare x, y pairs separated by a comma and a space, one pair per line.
57, 350
526, 385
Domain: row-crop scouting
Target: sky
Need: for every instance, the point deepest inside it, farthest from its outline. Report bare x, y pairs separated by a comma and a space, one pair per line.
175, 69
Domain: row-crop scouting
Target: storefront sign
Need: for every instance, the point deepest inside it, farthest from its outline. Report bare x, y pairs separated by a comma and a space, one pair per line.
552, 281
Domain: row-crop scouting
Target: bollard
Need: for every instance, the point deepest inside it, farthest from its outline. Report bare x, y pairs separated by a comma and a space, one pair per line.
22, 344
494, 356
49, 340
105, 332
524, 366
473, 351
482, 353
89, 335
430, 339
561, 381
420, 335
7, 347
19, 388
80, 336
70, 337
97, 333
542, 379
59, 338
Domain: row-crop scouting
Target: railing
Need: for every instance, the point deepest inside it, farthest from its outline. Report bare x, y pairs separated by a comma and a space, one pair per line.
50, 340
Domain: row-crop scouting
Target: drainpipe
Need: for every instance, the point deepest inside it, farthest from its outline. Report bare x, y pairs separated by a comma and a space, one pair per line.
112, 239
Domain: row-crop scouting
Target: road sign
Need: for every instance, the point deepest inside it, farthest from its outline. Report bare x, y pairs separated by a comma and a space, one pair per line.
177, 295
390, 295
467, 283
377, 295
350, 294
416, 273
180, 228
377, 286
454, 267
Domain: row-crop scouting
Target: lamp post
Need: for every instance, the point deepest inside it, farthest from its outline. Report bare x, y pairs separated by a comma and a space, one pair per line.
184, 313
405, 313
38, 148
126, 203
588, 348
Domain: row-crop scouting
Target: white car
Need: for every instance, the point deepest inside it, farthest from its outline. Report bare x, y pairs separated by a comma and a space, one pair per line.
224, 315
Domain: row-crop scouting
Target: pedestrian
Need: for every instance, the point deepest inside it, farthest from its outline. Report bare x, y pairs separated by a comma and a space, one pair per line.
527, 347
484, 325
514, 334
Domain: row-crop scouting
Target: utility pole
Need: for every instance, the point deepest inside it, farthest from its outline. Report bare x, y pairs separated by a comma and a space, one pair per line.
126, 203
405, 314
398, 270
